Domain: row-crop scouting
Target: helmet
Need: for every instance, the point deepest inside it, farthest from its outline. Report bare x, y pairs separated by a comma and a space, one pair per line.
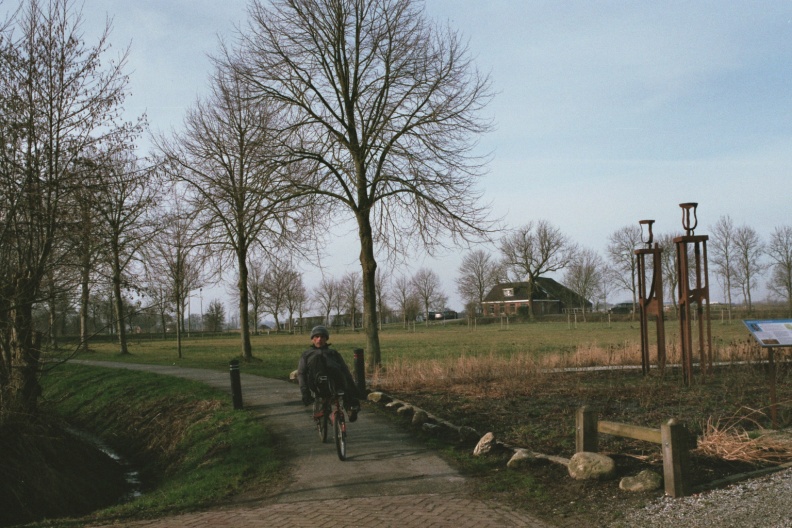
320, 331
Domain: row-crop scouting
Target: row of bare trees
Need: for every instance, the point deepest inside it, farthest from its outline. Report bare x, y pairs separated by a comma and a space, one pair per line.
281, 293
738, 258
66, 181
320, 112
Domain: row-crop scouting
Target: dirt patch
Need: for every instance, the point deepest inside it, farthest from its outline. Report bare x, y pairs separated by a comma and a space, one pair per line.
541, 417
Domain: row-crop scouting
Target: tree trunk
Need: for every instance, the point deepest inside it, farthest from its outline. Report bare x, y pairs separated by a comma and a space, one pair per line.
179, 324
53, 318
244, 319
531, 315
84, 294
118, 302
23, 389
369, 267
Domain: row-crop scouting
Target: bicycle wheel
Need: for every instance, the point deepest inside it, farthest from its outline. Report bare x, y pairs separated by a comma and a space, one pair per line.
321, 415
340, 434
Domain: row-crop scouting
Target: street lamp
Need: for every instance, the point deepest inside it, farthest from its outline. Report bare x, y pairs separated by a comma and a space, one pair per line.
189, 314
200, 294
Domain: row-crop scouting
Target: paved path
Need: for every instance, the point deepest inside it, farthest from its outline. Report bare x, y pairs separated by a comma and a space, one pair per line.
388, 479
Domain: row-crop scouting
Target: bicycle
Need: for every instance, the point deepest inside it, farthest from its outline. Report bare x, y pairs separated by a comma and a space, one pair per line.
330, 409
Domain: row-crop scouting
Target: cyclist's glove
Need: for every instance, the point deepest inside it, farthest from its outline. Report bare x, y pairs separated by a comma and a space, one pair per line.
306, 398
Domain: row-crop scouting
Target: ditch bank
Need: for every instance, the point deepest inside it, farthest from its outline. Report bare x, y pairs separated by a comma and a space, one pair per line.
48, 472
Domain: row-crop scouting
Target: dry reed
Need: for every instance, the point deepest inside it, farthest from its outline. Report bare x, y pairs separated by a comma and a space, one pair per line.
729, 440
491, 369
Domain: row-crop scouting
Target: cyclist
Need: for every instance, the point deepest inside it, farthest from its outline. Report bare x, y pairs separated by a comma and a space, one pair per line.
321, 357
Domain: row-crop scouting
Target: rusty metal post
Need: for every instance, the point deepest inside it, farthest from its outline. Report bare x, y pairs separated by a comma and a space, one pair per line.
693, 294
650, 298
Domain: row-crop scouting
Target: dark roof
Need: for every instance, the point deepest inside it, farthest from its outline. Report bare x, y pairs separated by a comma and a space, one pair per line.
545, 289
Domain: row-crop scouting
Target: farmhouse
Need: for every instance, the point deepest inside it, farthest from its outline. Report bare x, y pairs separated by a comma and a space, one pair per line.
549, 297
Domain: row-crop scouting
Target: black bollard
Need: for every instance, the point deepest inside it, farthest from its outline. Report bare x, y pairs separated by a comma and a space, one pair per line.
236, 384
360, 372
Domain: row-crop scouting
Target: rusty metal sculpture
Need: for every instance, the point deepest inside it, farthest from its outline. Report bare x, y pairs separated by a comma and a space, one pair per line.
650, 297
696, 294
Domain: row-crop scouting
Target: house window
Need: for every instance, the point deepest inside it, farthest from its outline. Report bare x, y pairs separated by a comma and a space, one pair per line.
508, 292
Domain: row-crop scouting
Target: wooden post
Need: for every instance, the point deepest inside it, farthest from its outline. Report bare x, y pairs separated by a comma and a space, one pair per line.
675, 445
586, 430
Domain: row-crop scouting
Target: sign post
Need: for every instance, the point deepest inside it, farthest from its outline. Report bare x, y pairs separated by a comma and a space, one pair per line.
770, 334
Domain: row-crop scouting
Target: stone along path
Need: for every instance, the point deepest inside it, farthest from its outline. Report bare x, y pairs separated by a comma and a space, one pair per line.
388, 479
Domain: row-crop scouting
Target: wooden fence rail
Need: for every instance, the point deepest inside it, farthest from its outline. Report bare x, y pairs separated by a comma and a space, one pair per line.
673, 437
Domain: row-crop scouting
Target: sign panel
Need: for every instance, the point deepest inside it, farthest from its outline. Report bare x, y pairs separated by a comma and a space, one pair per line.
771, 332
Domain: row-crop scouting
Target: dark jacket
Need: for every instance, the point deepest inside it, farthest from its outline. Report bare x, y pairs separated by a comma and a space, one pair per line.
332, 355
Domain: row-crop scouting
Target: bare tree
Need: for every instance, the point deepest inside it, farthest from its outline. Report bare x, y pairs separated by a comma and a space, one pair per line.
175, 261
779, 249
351, 286
296, 296
748, 265
224, 158
669, 271
256, 294
386, 107
86, 241
624, 265
275, 287
585, 276
383, 291
722, 256
326, 295
426, 285
59, 99
534, 250
406, 300
215, 316
127, 222
478, 274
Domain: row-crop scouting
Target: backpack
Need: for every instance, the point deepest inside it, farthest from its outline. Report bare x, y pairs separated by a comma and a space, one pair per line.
322, 372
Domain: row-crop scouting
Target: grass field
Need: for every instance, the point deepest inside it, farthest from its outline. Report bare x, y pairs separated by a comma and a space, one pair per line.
277, 354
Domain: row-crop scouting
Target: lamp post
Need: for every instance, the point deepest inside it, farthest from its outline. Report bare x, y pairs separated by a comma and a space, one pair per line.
200, 294
189, 314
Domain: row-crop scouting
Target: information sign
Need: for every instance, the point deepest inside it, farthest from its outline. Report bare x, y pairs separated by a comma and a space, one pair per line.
771, 332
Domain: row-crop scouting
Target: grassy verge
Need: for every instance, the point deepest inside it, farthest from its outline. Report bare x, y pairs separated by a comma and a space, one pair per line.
190, 447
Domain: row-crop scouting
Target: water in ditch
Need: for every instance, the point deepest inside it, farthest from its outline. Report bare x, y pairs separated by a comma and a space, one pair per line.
131, 475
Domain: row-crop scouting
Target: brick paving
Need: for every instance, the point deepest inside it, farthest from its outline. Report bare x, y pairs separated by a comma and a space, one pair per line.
408, 511
388, 479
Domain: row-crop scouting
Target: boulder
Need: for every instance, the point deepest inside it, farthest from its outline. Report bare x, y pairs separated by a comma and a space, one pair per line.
646, 480
485, 445
591, 466
378, 397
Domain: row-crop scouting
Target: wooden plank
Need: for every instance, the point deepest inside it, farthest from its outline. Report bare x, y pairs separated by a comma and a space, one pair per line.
635, 432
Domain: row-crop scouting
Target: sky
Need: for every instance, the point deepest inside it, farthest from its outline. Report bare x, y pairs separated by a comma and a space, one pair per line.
606, 112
